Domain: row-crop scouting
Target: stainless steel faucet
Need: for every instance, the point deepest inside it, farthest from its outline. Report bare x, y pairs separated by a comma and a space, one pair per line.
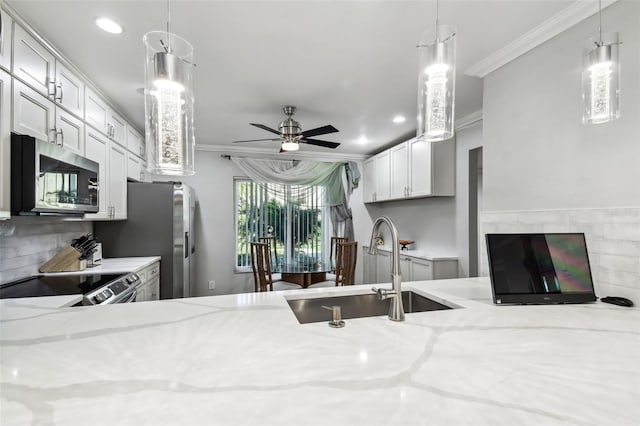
396, 311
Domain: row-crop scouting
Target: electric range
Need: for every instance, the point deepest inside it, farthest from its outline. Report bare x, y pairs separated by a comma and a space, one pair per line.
96, 289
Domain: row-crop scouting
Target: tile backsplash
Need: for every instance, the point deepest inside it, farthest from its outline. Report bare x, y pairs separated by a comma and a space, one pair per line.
28, 242
612, 234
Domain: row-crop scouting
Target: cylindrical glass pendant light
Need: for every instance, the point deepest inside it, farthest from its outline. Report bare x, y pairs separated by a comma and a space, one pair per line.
436, 83
169, 131
601, 79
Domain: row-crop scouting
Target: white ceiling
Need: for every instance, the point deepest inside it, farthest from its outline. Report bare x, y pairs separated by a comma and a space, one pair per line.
352, 64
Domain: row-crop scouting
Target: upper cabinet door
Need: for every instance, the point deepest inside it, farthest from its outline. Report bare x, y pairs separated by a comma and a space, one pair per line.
5, 143
96, 111
33, 114
6, 40
96, 146
69, 132
383, 177
69, 91
398, 174
32, 62
117, 181
118, 129
369, 180
420, 168
134, 142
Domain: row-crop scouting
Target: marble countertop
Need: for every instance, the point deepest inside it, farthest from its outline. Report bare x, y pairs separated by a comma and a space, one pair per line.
422, 254
244, 359
116, 265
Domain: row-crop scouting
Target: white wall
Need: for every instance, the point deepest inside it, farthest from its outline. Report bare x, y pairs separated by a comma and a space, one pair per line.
537, 152
544, 171
215, 226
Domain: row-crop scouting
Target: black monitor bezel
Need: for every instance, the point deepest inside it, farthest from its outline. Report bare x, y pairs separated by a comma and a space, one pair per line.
540, 299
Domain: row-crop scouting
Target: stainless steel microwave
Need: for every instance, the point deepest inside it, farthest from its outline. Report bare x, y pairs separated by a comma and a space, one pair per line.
47, 179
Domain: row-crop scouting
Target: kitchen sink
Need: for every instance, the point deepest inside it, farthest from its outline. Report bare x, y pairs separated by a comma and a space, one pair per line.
358, 306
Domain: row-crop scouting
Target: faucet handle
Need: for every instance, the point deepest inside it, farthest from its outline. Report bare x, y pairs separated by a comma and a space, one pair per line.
381, 292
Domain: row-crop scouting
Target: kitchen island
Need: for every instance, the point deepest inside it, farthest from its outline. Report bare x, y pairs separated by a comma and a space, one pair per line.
245, 359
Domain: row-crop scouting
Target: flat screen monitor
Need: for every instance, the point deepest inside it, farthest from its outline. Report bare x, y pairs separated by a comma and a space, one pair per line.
539, 268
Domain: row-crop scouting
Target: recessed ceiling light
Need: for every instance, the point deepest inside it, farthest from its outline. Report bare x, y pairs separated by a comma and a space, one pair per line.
109, 25
362, 140
399, 119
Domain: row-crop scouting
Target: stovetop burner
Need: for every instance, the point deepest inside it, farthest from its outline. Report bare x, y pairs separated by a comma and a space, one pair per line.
54, 285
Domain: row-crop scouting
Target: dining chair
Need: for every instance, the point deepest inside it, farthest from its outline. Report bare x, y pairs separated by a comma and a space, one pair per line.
261, 266
345, 266
332, 255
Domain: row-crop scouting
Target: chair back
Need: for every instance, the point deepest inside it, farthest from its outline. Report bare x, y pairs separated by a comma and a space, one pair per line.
346, 257
334, 247
273, 248
261, 265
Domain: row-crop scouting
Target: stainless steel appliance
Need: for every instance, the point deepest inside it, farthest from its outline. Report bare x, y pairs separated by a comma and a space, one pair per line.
49, 180
159, 223
96, 289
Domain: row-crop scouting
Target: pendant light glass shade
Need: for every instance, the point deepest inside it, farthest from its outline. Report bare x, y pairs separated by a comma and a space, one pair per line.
601, 79
436, 83
169, 131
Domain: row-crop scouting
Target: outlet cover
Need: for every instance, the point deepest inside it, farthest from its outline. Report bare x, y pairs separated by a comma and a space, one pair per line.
212, 285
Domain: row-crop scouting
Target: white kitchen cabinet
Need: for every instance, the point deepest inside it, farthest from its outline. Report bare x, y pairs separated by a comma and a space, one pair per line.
118, 128
33, 114
149, 287
96, 111
5, 144
377, 269
412, 169
376, 178
398, 163
135, 142
69, 131
112, 177
6, 40
100, 115
69, 90
33, 63
134, 167
117, 195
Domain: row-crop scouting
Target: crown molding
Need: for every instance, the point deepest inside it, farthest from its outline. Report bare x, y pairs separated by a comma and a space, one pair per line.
565, 19
468, 120
299, 155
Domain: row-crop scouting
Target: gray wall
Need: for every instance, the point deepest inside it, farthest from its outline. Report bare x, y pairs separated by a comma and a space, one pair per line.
537, 152
215, 226
546, 172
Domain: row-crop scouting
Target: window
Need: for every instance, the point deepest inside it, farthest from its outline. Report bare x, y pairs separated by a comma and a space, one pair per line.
293, 215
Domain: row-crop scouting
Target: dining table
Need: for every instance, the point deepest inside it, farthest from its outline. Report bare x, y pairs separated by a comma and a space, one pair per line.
304, 272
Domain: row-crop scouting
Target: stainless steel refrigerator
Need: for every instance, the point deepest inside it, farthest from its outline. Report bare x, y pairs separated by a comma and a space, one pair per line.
159, 223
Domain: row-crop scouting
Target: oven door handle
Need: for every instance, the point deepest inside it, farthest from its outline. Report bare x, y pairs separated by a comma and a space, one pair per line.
132, 298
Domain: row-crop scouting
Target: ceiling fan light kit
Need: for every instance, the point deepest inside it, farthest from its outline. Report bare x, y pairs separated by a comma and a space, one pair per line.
601, 76
169, 104
436, 83
290, 133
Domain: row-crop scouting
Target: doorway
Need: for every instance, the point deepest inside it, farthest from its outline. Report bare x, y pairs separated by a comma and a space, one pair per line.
475, 207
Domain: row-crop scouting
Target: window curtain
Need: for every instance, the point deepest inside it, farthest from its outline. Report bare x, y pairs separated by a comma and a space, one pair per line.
299, 175
341, 217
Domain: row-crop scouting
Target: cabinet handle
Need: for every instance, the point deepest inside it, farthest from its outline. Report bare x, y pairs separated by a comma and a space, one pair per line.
59, 98
61, 134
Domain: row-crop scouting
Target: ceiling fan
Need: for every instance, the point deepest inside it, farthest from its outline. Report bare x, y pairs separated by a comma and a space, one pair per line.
291, 134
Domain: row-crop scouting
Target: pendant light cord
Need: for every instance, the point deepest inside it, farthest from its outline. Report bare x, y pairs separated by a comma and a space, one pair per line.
600, 23
169, 24
437, 22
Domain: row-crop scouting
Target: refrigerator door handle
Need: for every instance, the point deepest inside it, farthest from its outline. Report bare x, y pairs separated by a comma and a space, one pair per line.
186, 245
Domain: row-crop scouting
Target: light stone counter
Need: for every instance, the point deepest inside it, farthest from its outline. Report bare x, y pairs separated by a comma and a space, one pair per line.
244, 359
116, 265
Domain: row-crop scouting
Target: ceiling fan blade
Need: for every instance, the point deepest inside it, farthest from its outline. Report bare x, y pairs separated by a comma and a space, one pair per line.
319, 131
263, 127
317, 142
256, 140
